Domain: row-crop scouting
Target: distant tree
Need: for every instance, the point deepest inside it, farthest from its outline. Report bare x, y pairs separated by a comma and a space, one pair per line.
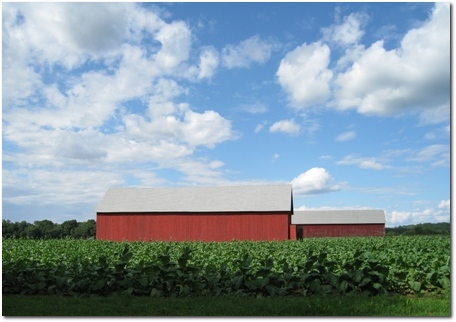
420, 229
85, 229
46, 227
22, 229
7, 229
68, 228
33, 232
55, 232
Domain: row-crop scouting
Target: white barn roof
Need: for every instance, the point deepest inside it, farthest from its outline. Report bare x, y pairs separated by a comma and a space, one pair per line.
315, 217
257, 198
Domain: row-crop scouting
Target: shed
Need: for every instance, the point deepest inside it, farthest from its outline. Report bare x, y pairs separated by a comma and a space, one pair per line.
222, 213
337, 223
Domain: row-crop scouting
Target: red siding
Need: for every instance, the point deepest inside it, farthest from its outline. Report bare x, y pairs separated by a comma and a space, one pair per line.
347, 230
293, 232
193, 226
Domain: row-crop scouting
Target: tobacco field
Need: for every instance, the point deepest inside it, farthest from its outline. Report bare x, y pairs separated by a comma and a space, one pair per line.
404, 265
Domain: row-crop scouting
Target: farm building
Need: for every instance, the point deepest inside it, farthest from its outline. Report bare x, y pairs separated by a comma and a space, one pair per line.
260, 212
337, 223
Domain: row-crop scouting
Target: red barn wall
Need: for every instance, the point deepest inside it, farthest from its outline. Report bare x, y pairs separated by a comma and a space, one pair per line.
293, 232
193, 226
343, 230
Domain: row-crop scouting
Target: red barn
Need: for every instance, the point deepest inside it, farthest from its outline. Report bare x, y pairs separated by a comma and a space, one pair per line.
337, 223
260, 212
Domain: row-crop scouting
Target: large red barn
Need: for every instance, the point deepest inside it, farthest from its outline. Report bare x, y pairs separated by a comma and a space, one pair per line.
337, 223
258, 212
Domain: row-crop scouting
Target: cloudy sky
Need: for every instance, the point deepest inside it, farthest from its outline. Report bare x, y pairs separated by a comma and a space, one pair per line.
348, 102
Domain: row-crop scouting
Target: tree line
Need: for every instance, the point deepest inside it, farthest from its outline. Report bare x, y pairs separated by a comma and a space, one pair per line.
46, 229
443, 228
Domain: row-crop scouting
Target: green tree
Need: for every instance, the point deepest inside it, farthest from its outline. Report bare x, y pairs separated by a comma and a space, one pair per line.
85, 229
7, 229
46, 227
33, 232
68, 228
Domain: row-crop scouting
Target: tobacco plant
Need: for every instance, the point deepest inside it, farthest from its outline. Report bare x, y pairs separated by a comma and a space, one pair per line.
280, 268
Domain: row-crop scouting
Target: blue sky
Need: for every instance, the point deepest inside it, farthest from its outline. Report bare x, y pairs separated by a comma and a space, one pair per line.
348, 102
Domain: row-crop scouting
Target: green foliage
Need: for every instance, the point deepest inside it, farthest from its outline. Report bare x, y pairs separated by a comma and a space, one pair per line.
261, 269
46, 229
443, 228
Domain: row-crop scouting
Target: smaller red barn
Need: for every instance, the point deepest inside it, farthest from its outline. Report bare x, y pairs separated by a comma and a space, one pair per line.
224, 213
337, 223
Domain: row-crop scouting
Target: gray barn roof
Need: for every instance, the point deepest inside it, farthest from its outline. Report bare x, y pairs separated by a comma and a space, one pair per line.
312, 217
258, 198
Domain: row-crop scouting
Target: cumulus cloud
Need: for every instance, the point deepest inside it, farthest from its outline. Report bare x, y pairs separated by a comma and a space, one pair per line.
439, 213
251, 50
314, 181
209, 61
80, 145
285, 126
114, 98
50, 30
347, 33
175, 39
346, 136
41, 186
208, 128
304, 75
414, 77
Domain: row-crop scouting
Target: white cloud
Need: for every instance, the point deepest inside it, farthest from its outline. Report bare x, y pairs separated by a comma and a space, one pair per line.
440, 213
285, 126
209, 61
304, 75
40, 186
216, 164
260, 127
414, 77
314, 181
255, 108
363, 162
124, 111
49, 28
436, 155
175, 39
442, 132
439, 114
326, 157
348, 32
346, 136
208, 128
369, 164
80, 146
445, 204
251, 50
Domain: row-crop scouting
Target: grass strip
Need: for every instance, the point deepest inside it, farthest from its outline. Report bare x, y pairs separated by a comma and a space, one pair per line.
124, 305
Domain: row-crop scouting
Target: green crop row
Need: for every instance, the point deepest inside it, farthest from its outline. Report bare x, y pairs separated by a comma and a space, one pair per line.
332, 265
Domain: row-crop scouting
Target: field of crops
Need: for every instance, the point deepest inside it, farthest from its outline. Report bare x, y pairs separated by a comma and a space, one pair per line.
311, 266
